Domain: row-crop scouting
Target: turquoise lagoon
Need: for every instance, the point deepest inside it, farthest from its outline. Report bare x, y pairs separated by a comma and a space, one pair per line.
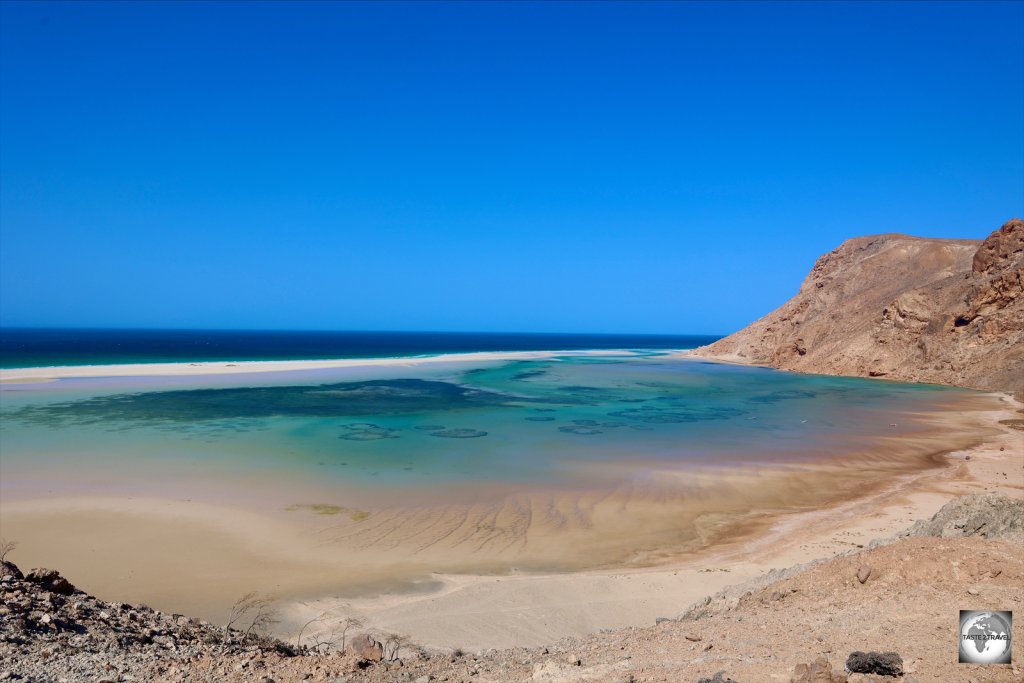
363, 444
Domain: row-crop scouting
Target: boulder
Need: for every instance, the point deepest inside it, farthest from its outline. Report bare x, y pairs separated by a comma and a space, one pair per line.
818, 671
881, 663
719, 677
364, 648
981, 514
51, 580
10, 569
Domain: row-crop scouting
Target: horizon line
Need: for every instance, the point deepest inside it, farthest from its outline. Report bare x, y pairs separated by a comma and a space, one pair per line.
5, 328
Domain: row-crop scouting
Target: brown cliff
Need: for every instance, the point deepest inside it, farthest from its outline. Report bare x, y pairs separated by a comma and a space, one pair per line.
907, 308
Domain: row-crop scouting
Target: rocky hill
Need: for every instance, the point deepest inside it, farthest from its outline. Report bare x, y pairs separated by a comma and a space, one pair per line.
907, 308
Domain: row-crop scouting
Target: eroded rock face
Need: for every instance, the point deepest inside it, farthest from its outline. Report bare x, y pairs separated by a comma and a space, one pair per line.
997, 282
908, 308
1004, 245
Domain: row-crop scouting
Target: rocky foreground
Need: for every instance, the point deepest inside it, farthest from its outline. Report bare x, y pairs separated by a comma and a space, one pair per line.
884, 613
907, 308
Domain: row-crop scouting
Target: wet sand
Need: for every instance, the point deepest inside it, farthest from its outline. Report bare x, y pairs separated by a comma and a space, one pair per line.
476, 612
441, 573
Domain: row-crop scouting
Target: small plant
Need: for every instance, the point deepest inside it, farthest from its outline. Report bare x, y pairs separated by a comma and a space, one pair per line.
6, 547
298, 638
261, 608
392, 644
266, 616
348, 624
329, 639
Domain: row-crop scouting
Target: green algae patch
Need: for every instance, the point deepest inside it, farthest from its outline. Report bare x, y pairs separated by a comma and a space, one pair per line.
242, 405
329, 510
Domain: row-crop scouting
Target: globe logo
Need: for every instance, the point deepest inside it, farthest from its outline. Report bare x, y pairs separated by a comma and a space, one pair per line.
985, 637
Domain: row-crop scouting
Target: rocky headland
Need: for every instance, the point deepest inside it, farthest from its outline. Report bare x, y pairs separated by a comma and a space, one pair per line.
942, 311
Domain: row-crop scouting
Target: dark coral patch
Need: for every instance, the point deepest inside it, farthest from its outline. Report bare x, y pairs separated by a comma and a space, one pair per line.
580, 430
376, 397
459, 433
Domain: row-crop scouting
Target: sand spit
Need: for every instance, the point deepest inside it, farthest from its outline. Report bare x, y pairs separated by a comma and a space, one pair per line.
46, 374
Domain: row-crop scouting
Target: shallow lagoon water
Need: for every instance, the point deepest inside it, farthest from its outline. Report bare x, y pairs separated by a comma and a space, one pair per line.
376, 477
559, 423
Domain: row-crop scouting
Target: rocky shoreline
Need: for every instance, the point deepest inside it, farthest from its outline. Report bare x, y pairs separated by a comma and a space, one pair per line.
846, 608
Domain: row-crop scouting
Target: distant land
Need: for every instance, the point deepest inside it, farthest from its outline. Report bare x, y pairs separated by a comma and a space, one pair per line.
942, 311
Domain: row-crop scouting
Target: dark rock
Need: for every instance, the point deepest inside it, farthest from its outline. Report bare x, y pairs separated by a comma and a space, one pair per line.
51, 580
882, 663
863, 573
719, 677
10, 569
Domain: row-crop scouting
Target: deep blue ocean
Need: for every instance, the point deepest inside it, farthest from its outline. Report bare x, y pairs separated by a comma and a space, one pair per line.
21, 347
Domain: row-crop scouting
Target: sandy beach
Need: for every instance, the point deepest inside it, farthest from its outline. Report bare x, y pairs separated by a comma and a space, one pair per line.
477, 613
197, 557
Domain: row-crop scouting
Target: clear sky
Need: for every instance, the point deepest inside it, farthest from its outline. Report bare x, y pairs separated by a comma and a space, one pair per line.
511, 167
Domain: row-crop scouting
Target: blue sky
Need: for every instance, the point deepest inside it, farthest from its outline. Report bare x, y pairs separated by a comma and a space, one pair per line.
512, 167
